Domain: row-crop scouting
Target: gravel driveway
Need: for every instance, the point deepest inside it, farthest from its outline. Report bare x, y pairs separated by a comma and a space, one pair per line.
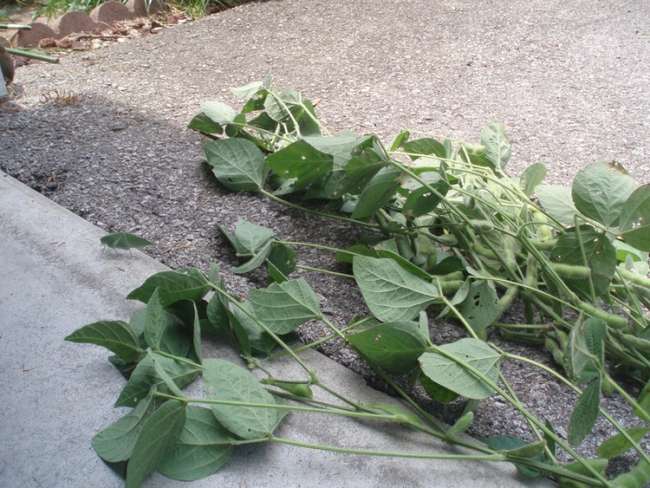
570, 79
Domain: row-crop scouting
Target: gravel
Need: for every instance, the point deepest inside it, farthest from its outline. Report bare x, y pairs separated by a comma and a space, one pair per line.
571, 80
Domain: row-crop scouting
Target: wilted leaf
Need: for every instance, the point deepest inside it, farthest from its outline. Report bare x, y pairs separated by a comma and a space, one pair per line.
585, 413
532, 177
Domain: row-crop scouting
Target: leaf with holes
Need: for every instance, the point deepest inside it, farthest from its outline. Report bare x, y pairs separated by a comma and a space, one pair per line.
238, 164
393, 346
480, 309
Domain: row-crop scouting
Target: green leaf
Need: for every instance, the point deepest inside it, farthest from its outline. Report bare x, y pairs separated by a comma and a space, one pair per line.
481, 307
437, 392
644, 402
347, 256
281, 262
378, 192
302, 390
399, 140
202, 123
423, 200
237, 163
252, 237
454, 376
637, 477
217, 313
285, 306
201, 450
226, 381
124, 240
144, 377
585, 413
115, 443
556, 200
424, 147
279, 102
497, 147
532, 177
219, 112
339, 146
600, 257
155, 321
196, 335
393, 346
245, 92
173, 286
618, 444
635, 219
256, 261
301, 162
391, 293
600, 190
462, 424
159, 434
116, 336
514, 446
249, 334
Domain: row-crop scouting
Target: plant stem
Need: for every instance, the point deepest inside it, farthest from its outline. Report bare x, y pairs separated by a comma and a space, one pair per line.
319, 213
324, 271
371, 452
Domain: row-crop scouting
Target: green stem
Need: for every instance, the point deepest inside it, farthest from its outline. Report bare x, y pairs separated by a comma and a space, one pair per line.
371, 452
641, 412
26, 53
312, 211
324, 271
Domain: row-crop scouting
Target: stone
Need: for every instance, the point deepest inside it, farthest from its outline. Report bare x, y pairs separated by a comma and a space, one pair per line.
73, 22
32, 37
139, 7
109, 12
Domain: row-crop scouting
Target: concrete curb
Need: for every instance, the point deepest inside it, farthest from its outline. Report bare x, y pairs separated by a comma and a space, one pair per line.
57, 278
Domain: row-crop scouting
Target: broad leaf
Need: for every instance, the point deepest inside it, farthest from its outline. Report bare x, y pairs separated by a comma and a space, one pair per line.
585, 352
599, 191
423, 200
250, 335
618, 444
437, 392
635, 219
497, 147
173, 286
251, 237
424, 147
532, 177
228, 382
281, 262
116, 336
393, 346
454, 376
202, 123
391, 293
115, 443
285, 306
157, 439
144, 377
202, 449
339, 146
556, 200
237, 163
599, 252
255, 261
300, 162
480, 308
196, 335
218, 112
378, 192
155, 321
585, 413
124, 240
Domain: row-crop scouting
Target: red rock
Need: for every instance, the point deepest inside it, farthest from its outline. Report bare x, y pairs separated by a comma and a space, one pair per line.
109, 12
73, 22
31, 37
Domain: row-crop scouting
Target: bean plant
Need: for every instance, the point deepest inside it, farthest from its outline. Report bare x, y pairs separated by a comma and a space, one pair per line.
446, 232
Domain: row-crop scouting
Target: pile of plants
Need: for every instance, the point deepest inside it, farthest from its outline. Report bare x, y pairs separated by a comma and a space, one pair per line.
446, 233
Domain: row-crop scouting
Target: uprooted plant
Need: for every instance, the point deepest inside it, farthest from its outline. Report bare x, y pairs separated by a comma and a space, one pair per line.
445, 230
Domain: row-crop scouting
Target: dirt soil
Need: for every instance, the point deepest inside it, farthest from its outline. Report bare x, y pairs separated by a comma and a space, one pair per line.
571, 81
